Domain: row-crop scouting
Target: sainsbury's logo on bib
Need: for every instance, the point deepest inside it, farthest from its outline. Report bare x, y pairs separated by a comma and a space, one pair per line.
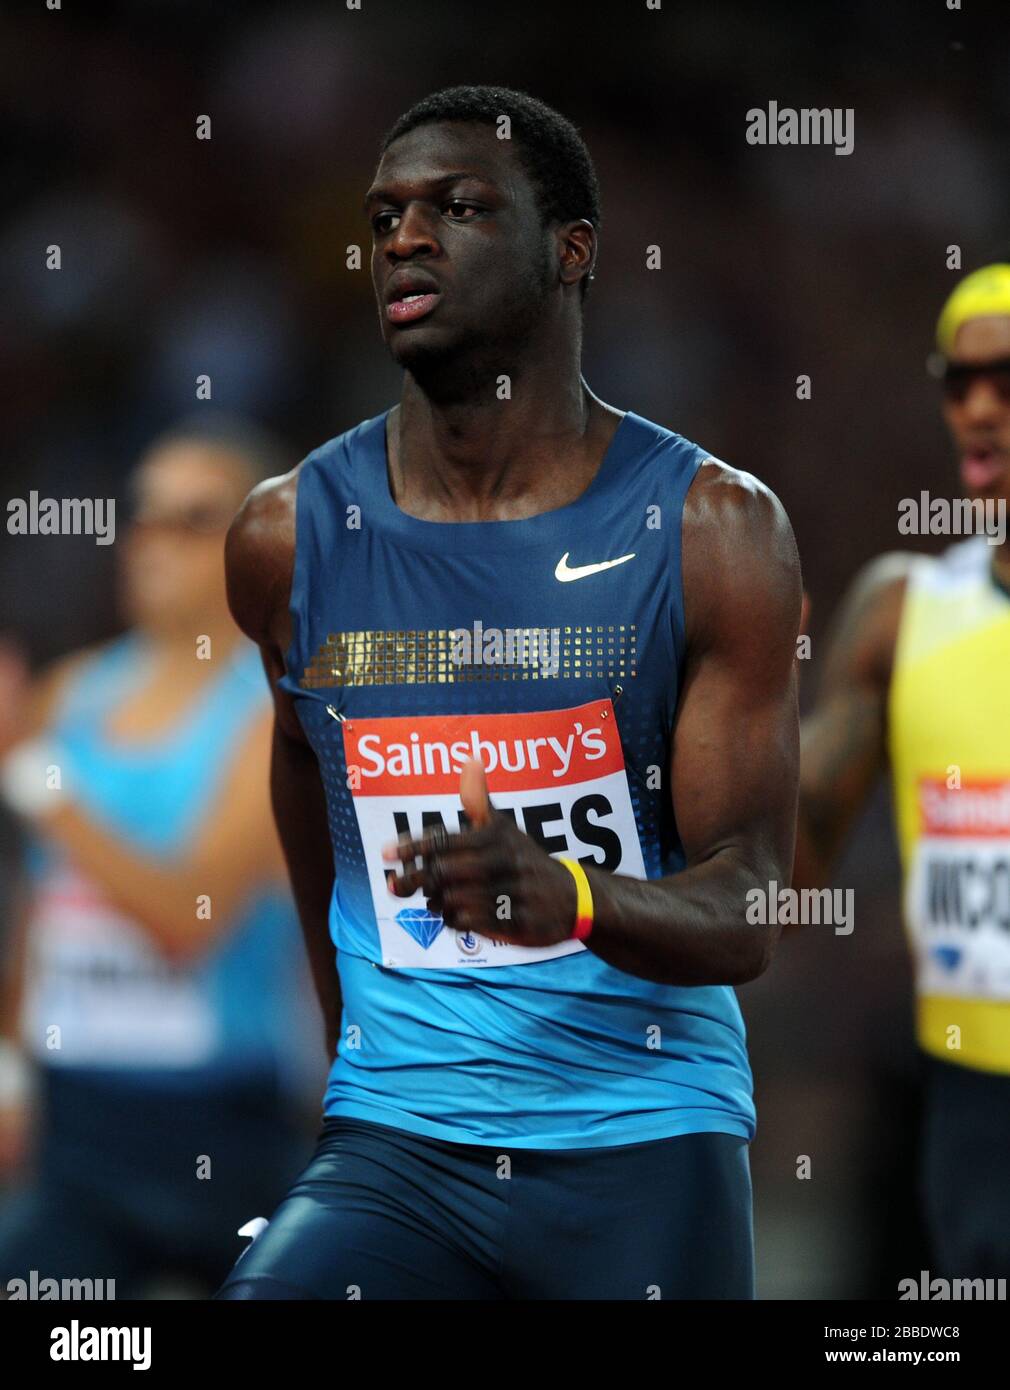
974, 808
559, 774
518, 751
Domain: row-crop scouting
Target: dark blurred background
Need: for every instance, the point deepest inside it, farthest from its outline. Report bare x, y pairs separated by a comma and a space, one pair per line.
227, 257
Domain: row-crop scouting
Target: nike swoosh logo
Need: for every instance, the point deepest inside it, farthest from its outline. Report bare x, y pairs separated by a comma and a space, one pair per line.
566, 574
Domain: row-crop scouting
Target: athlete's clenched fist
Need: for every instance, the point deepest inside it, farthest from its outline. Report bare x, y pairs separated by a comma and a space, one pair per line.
490, 879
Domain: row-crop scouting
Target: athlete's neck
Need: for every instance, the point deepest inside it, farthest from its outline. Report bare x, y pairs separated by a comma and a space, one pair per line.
488, 459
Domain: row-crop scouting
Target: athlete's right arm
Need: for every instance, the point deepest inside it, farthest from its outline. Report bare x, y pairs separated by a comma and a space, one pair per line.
843, 742
259, 561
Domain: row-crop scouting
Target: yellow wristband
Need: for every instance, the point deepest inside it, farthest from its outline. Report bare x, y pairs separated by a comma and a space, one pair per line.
583, 899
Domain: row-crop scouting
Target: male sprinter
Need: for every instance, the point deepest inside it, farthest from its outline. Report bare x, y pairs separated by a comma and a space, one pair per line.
542, 1088
918, 678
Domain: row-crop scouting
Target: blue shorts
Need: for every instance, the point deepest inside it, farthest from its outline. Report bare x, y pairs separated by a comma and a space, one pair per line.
965, 1174
379, 1213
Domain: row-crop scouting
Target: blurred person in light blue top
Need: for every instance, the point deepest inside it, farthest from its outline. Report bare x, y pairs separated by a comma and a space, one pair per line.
155, 1055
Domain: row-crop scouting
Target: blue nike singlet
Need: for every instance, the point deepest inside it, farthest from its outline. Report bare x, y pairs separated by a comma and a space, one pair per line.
551, 648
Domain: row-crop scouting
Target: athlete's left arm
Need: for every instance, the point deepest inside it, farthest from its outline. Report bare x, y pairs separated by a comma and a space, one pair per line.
734, 763
733, 777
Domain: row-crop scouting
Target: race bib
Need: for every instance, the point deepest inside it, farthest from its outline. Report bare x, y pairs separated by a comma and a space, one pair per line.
958, 893
114, 999
559, 774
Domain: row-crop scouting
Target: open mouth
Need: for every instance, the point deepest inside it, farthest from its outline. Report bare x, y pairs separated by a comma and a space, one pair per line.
982, 468
411, 307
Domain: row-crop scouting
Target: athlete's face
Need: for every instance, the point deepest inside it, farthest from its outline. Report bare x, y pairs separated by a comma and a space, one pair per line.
185, 495
978, 414
454, 218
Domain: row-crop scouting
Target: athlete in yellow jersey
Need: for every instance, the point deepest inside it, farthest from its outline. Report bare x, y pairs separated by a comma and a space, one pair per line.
917, 678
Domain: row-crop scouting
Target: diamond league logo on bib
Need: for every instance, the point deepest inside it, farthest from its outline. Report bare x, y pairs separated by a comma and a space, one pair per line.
558, 773
948, 956
423, 926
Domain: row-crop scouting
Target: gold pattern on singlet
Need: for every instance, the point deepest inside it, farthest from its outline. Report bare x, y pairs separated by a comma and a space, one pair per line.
447, 656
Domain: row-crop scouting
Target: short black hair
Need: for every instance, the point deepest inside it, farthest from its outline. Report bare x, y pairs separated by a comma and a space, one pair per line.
552, 151
262, 453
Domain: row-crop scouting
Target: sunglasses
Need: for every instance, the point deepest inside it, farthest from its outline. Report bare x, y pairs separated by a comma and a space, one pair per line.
196, 520
957, 378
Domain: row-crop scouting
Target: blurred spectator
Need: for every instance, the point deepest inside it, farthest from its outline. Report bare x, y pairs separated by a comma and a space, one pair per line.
156, 982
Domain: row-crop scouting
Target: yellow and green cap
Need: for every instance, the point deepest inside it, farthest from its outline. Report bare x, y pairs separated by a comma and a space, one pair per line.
981, 294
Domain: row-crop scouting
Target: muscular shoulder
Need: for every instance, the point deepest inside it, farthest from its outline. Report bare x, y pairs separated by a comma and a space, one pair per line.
740, 563
260, 556
726, 504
